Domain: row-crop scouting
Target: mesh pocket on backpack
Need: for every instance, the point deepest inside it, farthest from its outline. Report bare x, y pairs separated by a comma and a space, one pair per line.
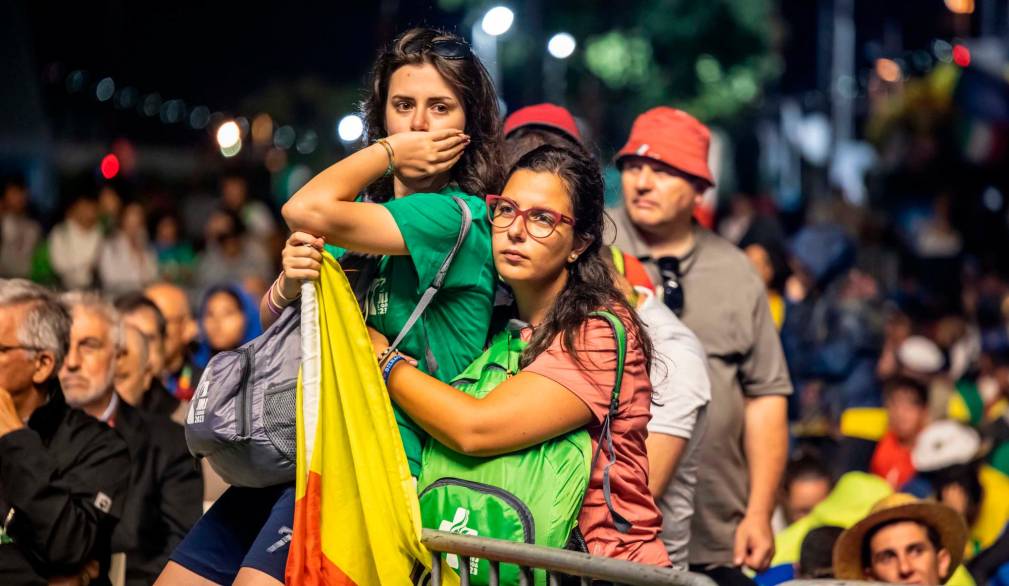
279, 418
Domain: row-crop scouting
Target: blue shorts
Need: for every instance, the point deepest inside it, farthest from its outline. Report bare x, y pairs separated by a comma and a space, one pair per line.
246, 528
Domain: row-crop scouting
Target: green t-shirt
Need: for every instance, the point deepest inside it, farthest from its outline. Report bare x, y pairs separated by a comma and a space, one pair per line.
454, 326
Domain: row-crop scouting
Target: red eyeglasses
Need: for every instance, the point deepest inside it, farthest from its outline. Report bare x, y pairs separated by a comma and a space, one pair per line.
539, 222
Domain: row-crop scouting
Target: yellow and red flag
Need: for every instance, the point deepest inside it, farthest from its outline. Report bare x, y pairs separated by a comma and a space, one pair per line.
356, 517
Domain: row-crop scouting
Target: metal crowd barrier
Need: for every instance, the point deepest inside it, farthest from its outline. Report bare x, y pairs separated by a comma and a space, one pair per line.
556, 561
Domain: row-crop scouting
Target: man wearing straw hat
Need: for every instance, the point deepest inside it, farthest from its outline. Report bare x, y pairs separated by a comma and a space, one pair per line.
903, 540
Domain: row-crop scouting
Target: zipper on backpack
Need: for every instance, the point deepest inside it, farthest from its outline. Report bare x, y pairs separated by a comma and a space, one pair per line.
525, 516
244, 399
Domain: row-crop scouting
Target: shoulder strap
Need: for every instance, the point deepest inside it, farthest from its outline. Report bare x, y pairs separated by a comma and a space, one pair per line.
618, 259
439, 280
606, 435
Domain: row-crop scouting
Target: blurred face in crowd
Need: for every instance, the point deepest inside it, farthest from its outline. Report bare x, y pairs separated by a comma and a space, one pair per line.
133, 373
906, 414
180, 328
21, 368
146, 322
15, 200
234, 192
223, 321
89, 368
84, 213
762, 262
109, 202
419, 99
133, 221
803, 494
521, 257
902, 553
167, 231
655, 194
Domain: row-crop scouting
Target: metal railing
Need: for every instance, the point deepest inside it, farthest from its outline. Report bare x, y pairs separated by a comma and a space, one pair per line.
829, 582
556, 562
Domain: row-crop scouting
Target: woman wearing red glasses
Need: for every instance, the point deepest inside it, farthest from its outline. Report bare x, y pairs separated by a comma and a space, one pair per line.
546, 231
433, 114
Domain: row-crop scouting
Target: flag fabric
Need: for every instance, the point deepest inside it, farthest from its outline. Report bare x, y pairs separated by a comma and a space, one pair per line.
356, 517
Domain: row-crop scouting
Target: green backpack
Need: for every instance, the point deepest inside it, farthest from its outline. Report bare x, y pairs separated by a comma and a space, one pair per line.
530, 496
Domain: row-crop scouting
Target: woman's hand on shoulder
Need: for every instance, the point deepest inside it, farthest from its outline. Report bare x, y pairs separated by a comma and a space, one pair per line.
422, 154
302, 261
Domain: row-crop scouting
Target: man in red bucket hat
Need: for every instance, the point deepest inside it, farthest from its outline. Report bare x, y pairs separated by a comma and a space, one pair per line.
710, 284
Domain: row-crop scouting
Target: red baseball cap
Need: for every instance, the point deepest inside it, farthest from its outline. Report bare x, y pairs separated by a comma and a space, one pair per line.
672, 137
549, 115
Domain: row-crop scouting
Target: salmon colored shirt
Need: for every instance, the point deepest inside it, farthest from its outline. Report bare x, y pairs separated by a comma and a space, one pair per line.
629, 476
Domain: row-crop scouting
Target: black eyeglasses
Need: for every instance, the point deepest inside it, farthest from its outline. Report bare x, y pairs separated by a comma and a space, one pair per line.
672, 292
444, 48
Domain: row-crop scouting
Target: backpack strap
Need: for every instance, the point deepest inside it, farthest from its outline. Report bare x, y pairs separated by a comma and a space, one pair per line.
432, 290
620, 334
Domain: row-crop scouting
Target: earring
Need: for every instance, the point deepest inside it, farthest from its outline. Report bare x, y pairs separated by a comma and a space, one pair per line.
573, 258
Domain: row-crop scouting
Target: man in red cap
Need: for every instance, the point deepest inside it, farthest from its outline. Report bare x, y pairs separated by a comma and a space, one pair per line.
710, 284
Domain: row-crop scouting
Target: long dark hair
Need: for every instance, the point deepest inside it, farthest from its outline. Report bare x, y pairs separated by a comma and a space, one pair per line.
480, 170
590, 285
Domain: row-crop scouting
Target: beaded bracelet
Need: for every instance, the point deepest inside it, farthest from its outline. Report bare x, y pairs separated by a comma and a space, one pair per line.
391, 154
389, 366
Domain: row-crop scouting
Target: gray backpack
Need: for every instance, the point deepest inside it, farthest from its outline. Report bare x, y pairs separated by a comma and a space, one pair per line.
242, 416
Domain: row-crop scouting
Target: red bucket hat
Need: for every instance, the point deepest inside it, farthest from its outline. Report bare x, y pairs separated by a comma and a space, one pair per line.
549, 115
673, 137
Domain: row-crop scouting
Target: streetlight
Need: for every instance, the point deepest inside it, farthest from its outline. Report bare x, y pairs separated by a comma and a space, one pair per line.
486, 30
229, 138
350, 128
561, 45
228, 134
497, 21
555, 70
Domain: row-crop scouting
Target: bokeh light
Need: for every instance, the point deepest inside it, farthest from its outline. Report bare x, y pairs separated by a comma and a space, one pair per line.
105, 89
109, 166
284, 137
562, 45
228, 134
888, 70
350, 128
497, 21
961, 55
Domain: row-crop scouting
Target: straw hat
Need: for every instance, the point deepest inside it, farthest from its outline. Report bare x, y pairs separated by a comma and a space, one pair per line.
848, 563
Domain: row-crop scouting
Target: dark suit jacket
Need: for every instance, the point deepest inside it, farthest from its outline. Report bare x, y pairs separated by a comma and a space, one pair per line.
166, 492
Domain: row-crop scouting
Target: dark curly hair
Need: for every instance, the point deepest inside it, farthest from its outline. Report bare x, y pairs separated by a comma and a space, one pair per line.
480, 170
591, 286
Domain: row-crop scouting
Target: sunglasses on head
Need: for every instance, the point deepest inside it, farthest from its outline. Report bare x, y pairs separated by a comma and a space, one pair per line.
444, 48
672, 292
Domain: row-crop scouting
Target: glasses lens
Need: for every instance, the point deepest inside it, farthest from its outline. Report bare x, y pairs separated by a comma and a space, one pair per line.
502, 213
450, 49
541, 223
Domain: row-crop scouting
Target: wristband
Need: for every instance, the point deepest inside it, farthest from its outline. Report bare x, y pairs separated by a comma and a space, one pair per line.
389, 366
276, 311
390, 153
276, 287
